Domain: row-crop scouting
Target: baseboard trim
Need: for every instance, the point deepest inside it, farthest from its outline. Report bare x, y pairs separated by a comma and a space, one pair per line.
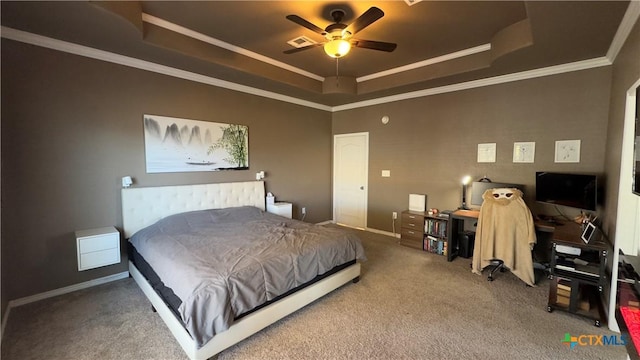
68, 289
56, 292
382, 232
395, 235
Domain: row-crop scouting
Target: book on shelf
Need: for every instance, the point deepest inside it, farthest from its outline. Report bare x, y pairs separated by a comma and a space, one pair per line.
435, 227
429, 243
435, 245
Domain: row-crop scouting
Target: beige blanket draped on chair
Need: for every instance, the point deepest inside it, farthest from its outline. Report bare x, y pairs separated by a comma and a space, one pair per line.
506, 232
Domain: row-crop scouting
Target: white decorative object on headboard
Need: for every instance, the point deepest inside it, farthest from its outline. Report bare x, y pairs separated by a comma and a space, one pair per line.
144, 206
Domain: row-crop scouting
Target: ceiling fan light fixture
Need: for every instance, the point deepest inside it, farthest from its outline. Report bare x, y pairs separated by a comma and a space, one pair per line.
337, 48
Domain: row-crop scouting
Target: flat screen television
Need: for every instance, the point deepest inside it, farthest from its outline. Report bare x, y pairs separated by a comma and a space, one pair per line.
574, 190
479, 187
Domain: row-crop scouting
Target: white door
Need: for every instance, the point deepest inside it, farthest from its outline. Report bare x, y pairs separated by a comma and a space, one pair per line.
350, 175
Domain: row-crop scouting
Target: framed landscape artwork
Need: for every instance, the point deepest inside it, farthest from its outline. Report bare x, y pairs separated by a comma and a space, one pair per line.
183, 145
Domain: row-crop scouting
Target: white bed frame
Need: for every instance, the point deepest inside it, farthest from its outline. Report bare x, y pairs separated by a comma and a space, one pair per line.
144, 206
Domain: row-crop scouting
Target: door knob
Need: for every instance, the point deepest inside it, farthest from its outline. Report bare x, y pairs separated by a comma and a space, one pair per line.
361, 187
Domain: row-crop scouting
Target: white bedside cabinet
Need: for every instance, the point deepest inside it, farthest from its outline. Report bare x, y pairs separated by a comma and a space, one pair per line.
280, 208
97, 247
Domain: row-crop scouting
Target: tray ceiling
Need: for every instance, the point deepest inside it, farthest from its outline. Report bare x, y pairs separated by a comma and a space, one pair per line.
439, 42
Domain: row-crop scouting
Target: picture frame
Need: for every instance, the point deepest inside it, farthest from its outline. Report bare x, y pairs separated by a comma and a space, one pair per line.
185, 145
524, 152
567, 151
487, 153
590, 233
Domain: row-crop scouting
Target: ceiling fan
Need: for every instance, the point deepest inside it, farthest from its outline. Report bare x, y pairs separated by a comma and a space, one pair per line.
339, 35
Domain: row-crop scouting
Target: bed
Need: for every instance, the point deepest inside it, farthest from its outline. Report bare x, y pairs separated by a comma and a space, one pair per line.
209, 299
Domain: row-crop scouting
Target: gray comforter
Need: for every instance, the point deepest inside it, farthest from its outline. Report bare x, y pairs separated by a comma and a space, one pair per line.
222, 263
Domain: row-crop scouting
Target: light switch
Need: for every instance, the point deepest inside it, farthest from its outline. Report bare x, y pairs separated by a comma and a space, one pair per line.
386, 173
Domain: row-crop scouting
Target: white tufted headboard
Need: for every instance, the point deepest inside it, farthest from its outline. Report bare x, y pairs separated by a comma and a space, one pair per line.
144, 206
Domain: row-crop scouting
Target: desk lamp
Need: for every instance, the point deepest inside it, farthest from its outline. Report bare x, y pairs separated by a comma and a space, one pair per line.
465, 182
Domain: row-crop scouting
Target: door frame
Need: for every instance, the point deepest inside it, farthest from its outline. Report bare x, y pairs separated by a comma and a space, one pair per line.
366, 176
627, 229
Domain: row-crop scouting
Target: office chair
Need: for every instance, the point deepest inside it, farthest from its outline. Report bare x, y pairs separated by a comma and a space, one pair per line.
505, 235
497, 265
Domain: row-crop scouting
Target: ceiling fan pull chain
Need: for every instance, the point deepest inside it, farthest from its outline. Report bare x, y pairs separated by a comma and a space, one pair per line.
337, 76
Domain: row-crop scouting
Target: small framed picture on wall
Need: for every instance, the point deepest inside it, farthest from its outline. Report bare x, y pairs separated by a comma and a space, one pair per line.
524, 152
487, 153
567, 151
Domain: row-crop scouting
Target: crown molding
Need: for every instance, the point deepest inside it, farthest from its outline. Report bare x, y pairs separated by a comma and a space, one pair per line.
54, 44
71, 48
219, 43
427, 62
626, 25
524, 75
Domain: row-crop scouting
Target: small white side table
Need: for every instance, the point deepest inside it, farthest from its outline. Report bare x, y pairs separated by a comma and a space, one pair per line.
97, 247
281, 208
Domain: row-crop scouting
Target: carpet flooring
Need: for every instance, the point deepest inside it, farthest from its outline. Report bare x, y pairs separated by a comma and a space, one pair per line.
407, 305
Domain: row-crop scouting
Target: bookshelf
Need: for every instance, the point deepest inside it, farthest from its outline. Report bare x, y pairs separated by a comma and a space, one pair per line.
423, 231
435, 235
578, 274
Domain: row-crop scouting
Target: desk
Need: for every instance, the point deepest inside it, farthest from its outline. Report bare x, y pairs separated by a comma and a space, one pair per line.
456, 230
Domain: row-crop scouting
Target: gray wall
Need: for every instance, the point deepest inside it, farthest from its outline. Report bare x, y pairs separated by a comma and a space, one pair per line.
72, 127
430, 143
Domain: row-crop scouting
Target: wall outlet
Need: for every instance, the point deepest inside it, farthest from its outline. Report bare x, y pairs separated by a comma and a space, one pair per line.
304, 211
394, 215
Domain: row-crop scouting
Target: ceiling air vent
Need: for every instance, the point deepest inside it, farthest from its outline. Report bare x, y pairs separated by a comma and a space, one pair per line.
301, 41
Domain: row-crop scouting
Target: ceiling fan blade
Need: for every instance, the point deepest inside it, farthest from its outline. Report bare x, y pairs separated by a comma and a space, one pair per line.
302, 22
366, 19
374, 45
295, 50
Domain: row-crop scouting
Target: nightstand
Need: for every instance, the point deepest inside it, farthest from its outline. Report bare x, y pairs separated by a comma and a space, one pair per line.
281, 208
97, 247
